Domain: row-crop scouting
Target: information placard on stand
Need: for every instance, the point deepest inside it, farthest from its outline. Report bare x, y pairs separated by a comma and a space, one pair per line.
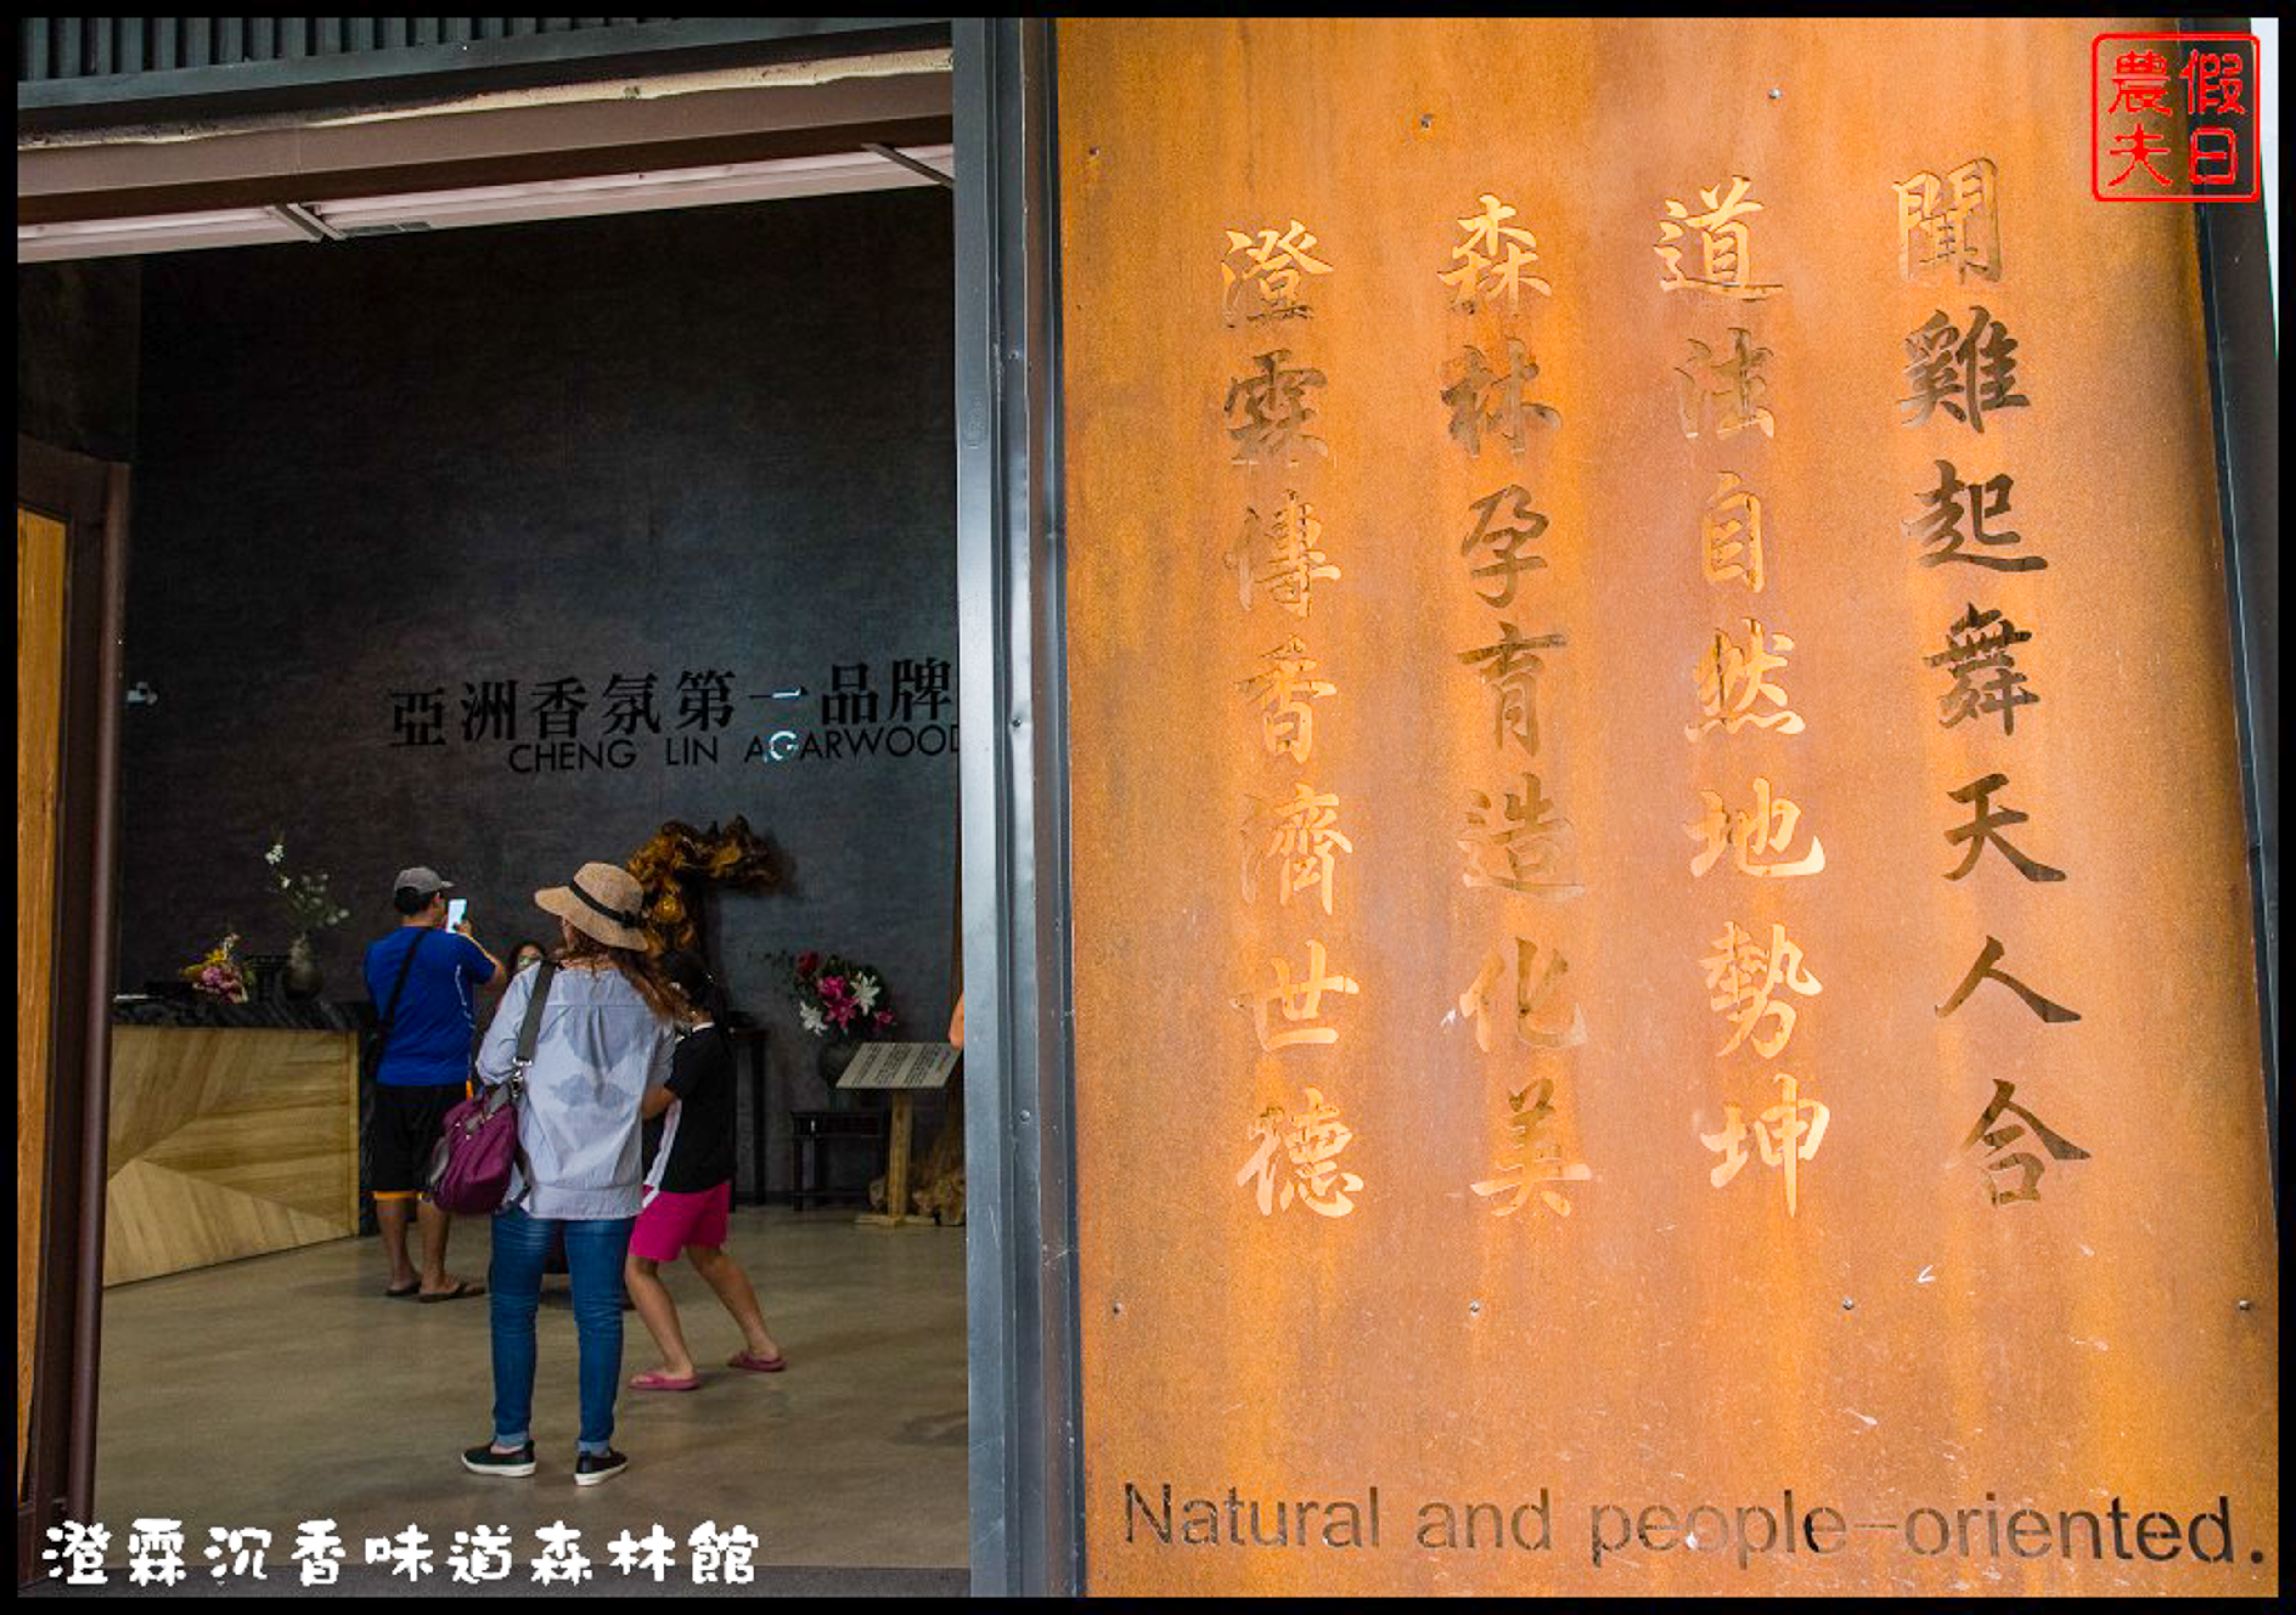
910, 1066
904, 1069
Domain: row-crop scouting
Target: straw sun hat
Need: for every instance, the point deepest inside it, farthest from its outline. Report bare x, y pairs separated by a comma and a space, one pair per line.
603, 901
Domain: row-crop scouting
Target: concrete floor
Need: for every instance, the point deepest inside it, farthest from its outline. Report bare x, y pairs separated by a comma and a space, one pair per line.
285, 1388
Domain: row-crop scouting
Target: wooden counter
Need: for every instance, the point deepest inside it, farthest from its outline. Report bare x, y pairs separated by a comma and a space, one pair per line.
227, 1142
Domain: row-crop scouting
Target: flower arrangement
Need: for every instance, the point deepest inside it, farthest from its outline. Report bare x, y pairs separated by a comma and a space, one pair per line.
220, 974
838, 998
305, 895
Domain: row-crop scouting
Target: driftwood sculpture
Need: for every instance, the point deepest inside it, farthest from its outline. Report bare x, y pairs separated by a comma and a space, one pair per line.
676, 865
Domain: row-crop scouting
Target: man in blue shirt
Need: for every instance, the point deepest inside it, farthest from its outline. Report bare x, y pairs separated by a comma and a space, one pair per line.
424, 1072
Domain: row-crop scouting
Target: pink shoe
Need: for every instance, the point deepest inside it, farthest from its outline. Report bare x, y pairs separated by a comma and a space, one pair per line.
653, 1378
756, 1364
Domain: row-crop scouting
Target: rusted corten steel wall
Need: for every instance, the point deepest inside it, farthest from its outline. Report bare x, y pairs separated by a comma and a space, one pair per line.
1729, 1265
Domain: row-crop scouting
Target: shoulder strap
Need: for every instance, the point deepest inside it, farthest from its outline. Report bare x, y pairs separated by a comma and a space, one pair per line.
529, 1030
390, 1010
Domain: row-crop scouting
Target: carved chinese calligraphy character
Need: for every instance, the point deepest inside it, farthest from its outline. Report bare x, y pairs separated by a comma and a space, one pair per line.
1984, 829
1530, 999
1301, 839
1754, 834
1269, 412
1287, 723
1311, 1142
1744, 977
2027, 1165
1725, 388
1938, 528
1983, 970
1730, 681
1282, 548
1519, 850
1725, 265
1788, 1132
1270, 265
1511, 668
1950, 223
1984, 676
1524, 526
1497, 402
1965, 375
1730, 534
1492, 258
1298, 1002
1537, 1160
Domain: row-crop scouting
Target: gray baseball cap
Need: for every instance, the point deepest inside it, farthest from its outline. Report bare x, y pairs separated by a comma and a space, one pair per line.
425, 881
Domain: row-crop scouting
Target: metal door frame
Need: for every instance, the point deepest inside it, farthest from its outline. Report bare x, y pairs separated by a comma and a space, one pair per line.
2244, 359
1026, 1474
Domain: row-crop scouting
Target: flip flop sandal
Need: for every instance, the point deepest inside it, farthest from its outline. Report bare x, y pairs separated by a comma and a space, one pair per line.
464, 1289
756, 1364
415, 1288
653, 1378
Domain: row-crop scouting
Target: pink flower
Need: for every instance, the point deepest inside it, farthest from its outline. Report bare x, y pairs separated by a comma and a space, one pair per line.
884, 1020
807, 963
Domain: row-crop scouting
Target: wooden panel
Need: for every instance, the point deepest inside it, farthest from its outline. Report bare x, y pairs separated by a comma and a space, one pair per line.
225, 1143
39, 675
1879, 1334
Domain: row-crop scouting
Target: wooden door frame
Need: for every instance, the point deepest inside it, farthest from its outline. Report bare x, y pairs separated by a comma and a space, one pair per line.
91, 498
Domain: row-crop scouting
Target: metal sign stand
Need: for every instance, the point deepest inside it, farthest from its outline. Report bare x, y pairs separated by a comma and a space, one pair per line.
904, 1069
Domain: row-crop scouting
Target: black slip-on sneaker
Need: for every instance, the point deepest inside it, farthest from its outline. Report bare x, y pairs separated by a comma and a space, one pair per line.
484, 1459
591, 1469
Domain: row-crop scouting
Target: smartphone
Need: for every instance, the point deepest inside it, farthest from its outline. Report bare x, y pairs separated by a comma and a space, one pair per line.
455, 909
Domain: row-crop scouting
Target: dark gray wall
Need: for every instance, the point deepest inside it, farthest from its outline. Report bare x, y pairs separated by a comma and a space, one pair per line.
711, 439
75, 353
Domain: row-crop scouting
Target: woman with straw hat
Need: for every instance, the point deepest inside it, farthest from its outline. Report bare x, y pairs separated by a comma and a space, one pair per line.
605, 1038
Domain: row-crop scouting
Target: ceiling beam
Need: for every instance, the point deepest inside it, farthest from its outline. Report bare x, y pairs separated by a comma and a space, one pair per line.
481, 148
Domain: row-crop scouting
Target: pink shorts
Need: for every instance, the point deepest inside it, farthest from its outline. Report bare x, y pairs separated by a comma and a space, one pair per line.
669, 1222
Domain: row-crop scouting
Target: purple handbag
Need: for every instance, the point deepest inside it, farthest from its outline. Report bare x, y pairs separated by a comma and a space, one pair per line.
478, 1143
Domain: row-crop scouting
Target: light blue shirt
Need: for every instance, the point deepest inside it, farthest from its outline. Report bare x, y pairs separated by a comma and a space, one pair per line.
599, 1051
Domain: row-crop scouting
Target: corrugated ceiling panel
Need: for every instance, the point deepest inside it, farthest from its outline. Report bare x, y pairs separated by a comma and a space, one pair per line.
50, 48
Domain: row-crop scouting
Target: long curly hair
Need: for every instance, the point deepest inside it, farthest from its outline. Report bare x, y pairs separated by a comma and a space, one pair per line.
639, 969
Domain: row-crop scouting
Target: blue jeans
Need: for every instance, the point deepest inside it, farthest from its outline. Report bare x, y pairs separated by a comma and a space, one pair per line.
594, 1251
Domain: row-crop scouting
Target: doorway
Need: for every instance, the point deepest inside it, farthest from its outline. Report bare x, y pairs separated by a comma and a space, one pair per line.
383, 481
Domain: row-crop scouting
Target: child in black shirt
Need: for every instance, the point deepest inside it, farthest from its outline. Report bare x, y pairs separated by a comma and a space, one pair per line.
689, 1192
